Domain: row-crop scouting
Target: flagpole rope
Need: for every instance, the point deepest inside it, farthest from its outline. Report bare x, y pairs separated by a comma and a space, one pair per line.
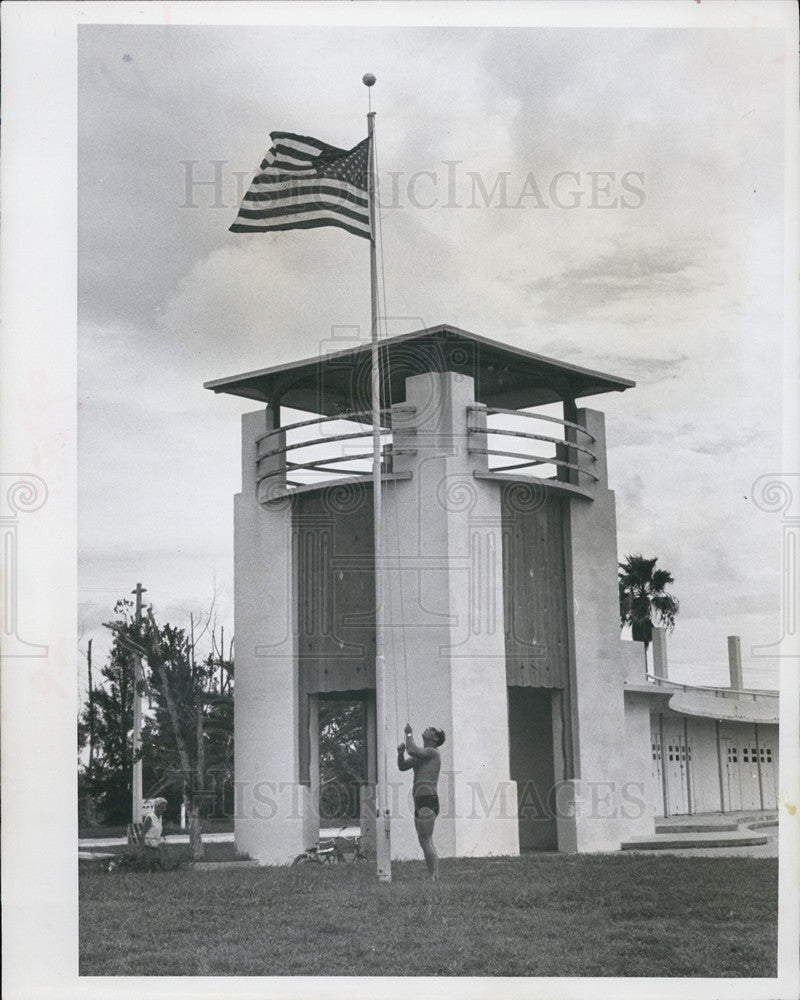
402, 636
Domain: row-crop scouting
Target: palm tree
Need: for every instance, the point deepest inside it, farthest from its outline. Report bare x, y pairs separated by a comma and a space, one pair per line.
643, 601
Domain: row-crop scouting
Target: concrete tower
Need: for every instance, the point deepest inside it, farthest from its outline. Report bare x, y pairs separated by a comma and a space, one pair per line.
499, 611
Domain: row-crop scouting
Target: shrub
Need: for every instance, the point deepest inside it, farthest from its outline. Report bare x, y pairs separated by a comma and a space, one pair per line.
148, 859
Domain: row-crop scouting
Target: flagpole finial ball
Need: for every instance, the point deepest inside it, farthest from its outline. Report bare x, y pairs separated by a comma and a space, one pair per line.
368, 79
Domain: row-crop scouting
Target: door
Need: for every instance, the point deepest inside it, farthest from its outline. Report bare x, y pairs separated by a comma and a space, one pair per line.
677, 768
769, 775
732, 788
748, 764
532, 765
658, 774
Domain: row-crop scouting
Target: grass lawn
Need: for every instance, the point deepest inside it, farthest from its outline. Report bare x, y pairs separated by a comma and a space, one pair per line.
538, 915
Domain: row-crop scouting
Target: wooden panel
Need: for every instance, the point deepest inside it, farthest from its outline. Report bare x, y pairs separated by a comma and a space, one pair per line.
534, 585
335, 589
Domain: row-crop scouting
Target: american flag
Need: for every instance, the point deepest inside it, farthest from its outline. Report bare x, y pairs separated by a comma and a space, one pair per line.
304, 183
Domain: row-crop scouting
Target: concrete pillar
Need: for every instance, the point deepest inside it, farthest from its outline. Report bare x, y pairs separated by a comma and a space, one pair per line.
592, 807
443, 617
735, 662
660, 652
643, 790
274, 818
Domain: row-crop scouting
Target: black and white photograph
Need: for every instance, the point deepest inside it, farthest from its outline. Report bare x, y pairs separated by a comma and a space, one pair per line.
400, 499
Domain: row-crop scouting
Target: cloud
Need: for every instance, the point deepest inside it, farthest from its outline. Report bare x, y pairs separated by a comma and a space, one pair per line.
626, 275
725, 444
632, 490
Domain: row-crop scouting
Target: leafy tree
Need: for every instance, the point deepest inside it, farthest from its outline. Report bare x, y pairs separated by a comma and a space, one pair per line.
187, 732
643, 600
109, 712
169, 733
218, 724
342, 758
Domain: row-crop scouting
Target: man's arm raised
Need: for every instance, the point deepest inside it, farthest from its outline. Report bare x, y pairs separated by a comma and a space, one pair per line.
402, 763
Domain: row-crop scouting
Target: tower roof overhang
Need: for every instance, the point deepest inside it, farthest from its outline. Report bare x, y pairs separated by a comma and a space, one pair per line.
340, 381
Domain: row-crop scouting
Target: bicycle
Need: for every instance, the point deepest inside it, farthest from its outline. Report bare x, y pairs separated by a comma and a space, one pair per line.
352, 845
324, 852
333, 851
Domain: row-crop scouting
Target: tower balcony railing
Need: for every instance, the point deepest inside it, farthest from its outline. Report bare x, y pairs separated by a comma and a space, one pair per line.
323, 450
564, 454
330, 449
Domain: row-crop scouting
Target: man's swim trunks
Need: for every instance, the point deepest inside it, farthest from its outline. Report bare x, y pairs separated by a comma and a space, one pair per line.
426, 802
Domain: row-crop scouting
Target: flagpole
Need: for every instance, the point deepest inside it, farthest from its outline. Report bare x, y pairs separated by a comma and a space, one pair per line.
383, 833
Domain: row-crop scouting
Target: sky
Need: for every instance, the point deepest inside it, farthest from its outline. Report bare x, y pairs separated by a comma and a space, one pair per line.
632, 222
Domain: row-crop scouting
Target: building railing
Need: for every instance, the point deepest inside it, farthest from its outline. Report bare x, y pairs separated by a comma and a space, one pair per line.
566, 448
330, 448
718, 692
353, 460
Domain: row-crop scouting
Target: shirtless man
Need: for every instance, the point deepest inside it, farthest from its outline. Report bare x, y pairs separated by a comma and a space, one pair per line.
426, 763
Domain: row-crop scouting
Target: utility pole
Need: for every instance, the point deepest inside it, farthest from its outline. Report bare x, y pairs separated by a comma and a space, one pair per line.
199, 720
137, 717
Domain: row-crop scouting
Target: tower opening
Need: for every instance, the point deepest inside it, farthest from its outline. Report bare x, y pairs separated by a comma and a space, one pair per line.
342, 758
532, 766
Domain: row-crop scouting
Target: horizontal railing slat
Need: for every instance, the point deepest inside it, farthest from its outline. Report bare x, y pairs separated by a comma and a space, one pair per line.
491, 410
540, 459
356, 417
311, 444
533, 437
319, 464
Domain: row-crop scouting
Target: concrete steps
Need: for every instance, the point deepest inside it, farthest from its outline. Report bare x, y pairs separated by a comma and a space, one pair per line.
696, 832
696, 828
667, 842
